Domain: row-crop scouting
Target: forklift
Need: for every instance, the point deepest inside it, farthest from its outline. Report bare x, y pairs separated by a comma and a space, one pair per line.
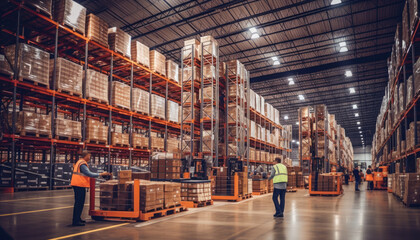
380, 178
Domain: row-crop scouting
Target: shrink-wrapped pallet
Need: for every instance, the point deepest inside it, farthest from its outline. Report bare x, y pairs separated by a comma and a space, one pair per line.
172, 144
413, 5
43, 5
158, 106
416, 76
234, 113
222, 69
210, 47
120, 95
173, 111
120, 139
140, 53
157, 62
207, 94
405, 29
119, 41
97, 29
140, 100
401, 101
97, 86
397, 45
409, 90
33, 63
172, 70
191, 47
209, 72
140, 141
233, 68
68, 76
257, 103
253, 130
76, 129
44, 126
157, 143
277, 116
187, 74
63, 127
28, 122
262, 101
252, 99
306, 147
71, 14
96, 131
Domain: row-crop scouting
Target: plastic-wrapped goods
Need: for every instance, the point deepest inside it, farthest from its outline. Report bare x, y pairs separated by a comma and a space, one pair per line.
173, 111
172, 70
234, 113
405, 29
140, 101
172, 145
401, 101
222, 69
252, 99
119, 41
232, 149
397, 45
416, 76
96, 131
120, 95
70, 13
157, 143
277, 116
120, 139
44, 126
209, 72
267, 110
306, 147
43, 5
413, 5
158, 106
157, 62
76, 129
263, 134
190, 46
257, 103
262, 100
187, 74
409, 90
233, 68
207, 94
209, 47
396, 102
68, 75
97, 29
140, 141
253, 129
63, 127
97, 85
33, 63
140, 53
28, 122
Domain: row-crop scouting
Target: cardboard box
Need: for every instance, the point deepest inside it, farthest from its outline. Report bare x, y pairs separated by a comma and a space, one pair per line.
140, 53
71, 14
119, 41
157, 62
97, 29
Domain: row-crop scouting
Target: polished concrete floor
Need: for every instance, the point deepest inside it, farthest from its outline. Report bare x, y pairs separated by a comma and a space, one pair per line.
364, 215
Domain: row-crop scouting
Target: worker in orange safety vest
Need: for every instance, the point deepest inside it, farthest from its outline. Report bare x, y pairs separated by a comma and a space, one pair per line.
80, 181
369, 178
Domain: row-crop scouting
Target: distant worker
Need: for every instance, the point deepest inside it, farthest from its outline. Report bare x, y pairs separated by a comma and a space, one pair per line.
369, 178
80, 180
279, 176
357, 178
346, 176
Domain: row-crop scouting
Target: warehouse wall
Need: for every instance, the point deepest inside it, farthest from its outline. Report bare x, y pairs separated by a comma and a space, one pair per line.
362, 155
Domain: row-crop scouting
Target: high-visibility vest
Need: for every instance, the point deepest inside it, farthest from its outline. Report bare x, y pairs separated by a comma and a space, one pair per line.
369, 177
281, 173
78, 179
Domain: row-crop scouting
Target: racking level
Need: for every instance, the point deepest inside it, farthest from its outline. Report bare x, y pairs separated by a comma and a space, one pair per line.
34, 29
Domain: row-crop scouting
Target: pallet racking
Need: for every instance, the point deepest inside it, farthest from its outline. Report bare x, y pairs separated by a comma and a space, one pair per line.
42, 32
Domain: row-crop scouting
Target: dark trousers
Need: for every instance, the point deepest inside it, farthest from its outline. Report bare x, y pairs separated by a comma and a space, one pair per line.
79, 202
370, 185
282, 194
356, 184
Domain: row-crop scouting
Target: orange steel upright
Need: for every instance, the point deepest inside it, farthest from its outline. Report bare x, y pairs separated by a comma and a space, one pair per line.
235, 196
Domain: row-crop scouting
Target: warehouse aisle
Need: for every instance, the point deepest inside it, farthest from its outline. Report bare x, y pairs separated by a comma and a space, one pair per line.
364, 215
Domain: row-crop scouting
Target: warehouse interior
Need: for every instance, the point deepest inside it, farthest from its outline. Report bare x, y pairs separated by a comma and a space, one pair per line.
186, 119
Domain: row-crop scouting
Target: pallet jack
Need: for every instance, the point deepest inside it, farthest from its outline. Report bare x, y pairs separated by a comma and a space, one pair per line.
380, 178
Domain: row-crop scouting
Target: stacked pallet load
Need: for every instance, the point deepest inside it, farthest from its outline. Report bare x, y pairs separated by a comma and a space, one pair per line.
68, 129
141, 101
96, 131
32, 123
36, 63
96, 86
68, 76
140, 53
259, 185
196, 191
165, 166
120, 97
119, 137
97, 29
157, 62
291, 179
172, 70
70, 14
140, 141
119, 41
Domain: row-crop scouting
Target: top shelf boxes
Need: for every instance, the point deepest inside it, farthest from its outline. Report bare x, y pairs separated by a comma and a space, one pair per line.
119, 41
97, 30
71, 14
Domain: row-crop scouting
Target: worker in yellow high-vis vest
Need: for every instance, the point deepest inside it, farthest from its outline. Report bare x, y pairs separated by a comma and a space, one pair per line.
279, 176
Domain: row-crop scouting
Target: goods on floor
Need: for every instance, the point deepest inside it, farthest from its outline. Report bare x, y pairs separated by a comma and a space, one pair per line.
164, 166
196, 191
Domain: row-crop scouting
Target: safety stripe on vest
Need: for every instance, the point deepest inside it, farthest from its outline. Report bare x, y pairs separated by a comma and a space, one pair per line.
278, 171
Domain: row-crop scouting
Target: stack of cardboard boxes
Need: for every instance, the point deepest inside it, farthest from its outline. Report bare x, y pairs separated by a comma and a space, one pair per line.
325, 183
259, 185
71, 14
119, 41
243, 182
166, 168
68, 76
96, 131
196, 191
140, 53
97, 29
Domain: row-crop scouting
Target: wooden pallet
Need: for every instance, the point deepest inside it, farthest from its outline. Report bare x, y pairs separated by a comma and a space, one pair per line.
31, 134
260, 192
141, 147
69, 92
246, 196
121, 107
121, 145
161, 213
46, 85
68, 138
97, 100
95, 141
191, 204
31, 189
161, 118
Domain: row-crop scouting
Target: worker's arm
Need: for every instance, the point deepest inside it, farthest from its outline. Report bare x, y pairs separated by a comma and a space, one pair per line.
85, 170
273, 173
259, 169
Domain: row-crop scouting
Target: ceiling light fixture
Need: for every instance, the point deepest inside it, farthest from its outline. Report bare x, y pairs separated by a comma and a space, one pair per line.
297, 123
359, 127
254, 35
301, 97
356, 114
348, 73
358, 123
360, 131
343, 47
276, 63
354, 106
286, 117
352, 90
334, 2
291, 83
293, 141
